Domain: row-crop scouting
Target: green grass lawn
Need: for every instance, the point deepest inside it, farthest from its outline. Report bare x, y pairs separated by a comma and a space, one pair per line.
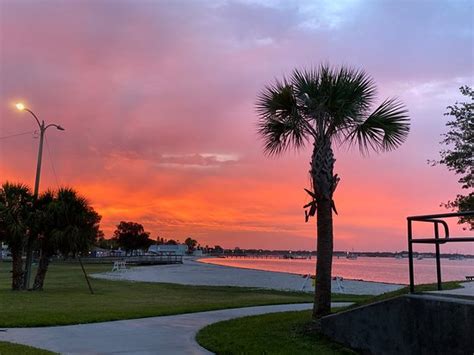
10, 349
284, 333
275, 333
66, 299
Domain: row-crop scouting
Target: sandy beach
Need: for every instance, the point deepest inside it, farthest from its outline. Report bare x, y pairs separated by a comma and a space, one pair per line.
193, 272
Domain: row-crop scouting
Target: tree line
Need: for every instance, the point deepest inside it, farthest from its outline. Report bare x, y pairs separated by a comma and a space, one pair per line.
62, 223
56, 222
131, 236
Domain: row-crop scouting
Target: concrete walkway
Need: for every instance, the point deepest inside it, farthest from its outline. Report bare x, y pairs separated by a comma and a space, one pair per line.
467, 290
157, 335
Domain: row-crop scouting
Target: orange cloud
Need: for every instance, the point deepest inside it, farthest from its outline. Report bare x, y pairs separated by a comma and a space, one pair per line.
158, 104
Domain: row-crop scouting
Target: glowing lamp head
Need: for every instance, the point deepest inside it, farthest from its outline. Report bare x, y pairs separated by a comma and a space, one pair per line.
20, 106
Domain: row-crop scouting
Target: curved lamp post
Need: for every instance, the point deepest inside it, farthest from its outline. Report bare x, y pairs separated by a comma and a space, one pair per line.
42, 127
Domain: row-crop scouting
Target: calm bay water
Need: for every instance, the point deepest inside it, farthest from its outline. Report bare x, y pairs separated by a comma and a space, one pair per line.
389, 270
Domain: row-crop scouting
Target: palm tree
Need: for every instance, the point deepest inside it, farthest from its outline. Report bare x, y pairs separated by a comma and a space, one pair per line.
15, 211
43, 223
327, 106
67, 224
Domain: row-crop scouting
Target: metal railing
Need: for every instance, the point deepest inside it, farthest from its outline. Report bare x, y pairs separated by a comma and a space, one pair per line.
437, 220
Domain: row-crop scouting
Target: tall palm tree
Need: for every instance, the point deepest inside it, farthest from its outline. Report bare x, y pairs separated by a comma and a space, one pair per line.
67, 224
15, 212
327, 106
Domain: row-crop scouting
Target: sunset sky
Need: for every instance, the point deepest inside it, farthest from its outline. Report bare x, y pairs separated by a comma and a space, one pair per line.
158, 102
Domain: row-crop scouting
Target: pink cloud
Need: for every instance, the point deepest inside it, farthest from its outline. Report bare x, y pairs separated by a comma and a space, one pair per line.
158, 104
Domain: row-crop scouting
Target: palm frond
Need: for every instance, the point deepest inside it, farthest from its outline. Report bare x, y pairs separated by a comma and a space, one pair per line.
333, 98
331, 104
383, 130
280, 123
16, 203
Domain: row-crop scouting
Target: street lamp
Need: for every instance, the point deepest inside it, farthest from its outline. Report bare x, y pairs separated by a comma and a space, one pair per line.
42, 127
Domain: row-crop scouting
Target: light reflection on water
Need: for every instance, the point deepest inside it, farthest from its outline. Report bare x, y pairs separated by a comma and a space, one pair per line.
389, 270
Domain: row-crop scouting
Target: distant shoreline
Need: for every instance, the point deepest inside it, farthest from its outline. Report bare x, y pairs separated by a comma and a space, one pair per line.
245, 253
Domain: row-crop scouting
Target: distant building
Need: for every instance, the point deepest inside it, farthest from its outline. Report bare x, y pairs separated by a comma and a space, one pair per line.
168, 249
4, 251
118, 252
100, 252
197, 252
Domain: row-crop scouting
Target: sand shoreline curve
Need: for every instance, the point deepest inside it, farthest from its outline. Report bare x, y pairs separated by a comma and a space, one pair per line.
194, 272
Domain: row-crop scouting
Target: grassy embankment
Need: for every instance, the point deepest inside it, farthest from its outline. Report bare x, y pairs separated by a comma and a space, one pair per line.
66, 299
10, 349
275, 333
282, 333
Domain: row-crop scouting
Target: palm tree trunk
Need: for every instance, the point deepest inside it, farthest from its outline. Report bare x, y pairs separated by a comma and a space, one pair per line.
322, 297
41, 272
28, 262
322, 166
17, 269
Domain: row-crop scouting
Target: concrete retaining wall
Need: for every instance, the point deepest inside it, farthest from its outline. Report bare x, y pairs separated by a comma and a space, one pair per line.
411, 324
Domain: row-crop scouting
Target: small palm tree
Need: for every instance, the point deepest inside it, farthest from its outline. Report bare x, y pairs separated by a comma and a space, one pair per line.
66, 224
43, 223
15, 212
327, 106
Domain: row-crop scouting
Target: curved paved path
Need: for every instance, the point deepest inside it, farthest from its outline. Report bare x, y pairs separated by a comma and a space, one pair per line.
156, 335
